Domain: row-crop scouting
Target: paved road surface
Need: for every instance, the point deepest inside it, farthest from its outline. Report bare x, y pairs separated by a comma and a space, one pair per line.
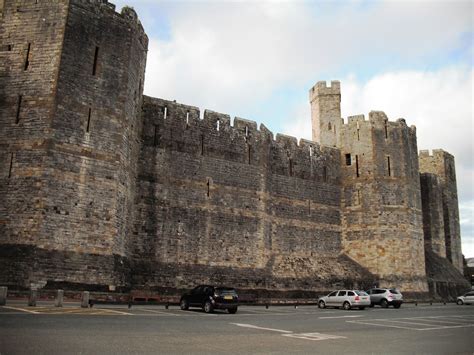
106, 329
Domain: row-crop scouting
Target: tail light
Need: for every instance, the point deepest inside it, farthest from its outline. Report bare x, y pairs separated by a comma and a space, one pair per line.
357, 298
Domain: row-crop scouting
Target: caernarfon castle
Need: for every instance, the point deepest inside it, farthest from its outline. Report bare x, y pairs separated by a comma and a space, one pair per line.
103, 188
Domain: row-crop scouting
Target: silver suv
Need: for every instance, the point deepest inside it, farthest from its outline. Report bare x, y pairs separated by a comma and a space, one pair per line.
385, 297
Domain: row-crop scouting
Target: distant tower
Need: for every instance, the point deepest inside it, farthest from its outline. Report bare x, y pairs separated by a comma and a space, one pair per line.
71, 91
326, 112
444, 203
381, 206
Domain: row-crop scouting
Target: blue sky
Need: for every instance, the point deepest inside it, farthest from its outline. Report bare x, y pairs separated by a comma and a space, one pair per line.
258, 59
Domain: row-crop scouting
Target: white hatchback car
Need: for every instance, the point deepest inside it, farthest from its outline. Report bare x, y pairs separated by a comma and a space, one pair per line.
346, 299
467, 298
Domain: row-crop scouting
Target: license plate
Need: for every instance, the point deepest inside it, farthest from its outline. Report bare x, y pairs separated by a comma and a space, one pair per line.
228, 297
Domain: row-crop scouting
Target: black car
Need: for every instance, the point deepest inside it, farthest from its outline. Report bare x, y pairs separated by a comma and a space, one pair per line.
211, 297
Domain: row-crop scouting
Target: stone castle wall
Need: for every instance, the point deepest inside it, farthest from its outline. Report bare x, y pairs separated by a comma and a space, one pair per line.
441, 164
72, 137
232, 200
101, 186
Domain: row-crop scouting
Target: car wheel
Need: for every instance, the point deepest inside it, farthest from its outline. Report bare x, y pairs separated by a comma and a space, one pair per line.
346, 306
232, 310
384, 303
361, 308
459, 302
208, 307
184, 305
321, 304
396, 305
372, 305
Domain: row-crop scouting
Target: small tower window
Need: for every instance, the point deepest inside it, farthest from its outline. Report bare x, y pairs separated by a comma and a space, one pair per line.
325, 174
96, 58
389, 168
329, 126
357, 166
11, 166
218, 123
348, 159
27, 58
165, 112
386, 129
187, 119
18, 109
88, 120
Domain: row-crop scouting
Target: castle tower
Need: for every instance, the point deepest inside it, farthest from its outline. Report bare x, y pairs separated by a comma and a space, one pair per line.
71, 92
381, 205
326, 112
440, 210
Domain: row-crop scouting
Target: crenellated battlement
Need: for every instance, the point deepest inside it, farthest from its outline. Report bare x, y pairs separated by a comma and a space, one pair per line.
321, 88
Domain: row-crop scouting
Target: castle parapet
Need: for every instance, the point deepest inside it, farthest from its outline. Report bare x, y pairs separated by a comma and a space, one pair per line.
321, 89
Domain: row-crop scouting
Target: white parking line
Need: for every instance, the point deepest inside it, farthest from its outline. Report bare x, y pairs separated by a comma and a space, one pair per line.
21, 309
262, 328
426, 323
159, 312
339, 317
314, 336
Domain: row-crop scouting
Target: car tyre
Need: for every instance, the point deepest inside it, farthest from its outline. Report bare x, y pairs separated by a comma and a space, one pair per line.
232, 310
362, 308
184, 305
372, 305
397, 305
384, 303
460, 302
321, 304
208, 307
346, 306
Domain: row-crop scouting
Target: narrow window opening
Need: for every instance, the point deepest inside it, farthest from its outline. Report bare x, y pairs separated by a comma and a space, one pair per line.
18, 109
202, 144
165, 112
208, 188
291, 166
246, 131
187, 118
386, 130
325, 174
358, 197
96, 58
6, 47
218, 124
11, 166
155, 136
348, 159
358, 134
310, 151
329, 126
27, 59
357, 166
388, 167
89, 114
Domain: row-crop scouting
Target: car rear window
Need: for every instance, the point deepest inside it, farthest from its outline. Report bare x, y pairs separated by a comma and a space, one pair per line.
361, 293
392, 290
225, 291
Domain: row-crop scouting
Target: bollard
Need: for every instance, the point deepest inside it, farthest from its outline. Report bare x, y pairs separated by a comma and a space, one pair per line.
32, 299
167, 305
3, 295
416, 304
296, 306
58, 302
85, 299
130, 303
266, 306
431, 303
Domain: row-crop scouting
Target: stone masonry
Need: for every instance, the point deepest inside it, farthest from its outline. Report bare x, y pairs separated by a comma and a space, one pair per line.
102, 188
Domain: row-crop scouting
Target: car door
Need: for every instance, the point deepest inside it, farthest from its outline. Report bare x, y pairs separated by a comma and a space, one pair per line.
340, 298
195, 295
331, 299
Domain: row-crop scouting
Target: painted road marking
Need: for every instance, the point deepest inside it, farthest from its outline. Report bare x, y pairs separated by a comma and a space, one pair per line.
288, 333
314, 336
423, 323
262, 328
21, 309
336, 317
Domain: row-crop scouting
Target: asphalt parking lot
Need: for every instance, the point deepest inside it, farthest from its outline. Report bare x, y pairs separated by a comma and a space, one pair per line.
422, 329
